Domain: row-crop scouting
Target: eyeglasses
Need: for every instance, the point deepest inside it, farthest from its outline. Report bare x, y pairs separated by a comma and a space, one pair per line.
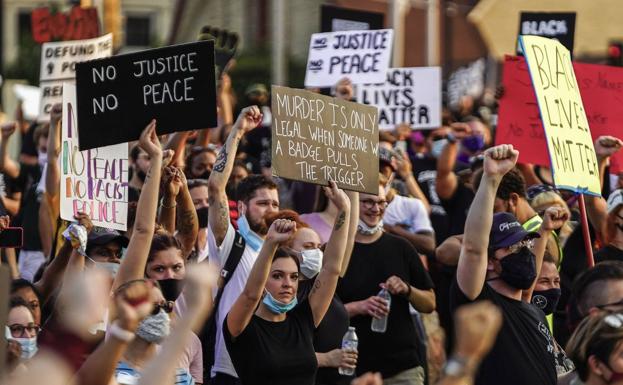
370, 203
529, 243
17, 329
167, 306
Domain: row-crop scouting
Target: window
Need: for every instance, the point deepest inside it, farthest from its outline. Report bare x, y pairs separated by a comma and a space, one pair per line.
138, 31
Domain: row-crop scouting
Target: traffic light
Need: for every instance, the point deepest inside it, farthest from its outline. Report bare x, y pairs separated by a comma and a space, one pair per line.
615, 53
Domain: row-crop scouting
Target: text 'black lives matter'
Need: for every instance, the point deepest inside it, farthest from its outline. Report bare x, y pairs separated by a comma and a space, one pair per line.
118, 96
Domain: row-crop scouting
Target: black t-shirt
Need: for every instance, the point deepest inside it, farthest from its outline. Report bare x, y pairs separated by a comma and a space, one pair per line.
28, 215
395, 350
329, 333
523, 352
275, 353
457, 207
608, 253
425, 172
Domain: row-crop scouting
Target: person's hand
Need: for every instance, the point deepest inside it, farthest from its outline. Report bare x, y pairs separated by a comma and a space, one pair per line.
4, 222
403, 164
200, 279
368, 379
341, 358
403, 131
281, 231
56, 114
171, 181
500, 159
344, 89
13, 353
7, 129
374, 306
476, 328
606, 146
134, 302
337, 196
554, 218
461, 130
167, 158
84, 220
395, 286
149, 141
249, 118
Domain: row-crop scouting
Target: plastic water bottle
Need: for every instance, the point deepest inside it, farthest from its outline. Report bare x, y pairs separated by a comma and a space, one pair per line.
349, 343
379, 325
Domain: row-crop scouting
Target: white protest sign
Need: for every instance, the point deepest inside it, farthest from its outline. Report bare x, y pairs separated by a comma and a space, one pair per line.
409, 95
94, 181
30, 97
58, 65
362, 56
467, 81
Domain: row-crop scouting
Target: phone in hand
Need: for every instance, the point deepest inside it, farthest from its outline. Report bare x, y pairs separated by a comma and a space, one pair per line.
12, 237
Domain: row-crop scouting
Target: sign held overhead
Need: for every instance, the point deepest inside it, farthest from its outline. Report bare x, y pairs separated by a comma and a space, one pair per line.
362, 56
118, 96
317, 138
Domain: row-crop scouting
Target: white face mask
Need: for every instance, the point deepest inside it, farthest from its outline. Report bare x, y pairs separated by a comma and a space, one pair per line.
364, 229
42, 158
312, 262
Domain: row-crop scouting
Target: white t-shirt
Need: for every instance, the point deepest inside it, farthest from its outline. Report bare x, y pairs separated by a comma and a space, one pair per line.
408, 211
222, 361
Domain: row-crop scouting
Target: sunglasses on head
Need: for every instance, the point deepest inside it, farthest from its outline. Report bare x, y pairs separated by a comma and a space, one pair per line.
167, 306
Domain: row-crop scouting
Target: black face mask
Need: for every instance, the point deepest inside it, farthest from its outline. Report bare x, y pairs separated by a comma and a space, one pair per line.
546, 300
205, 175
141, 175
519, 269
171, 288
202, 216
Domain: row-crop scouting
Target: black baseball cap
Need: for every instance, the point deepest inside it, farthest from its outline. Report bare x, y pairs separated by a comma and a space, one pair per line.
100, 236
506, 231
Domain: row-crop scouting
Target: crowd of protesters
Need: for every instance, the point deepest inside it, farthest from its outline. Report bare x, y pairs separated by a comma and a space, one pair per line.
229, 275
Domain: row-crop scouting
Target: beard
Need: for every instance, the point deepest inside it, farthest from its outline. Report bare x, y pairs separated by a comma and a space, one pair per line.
258, 227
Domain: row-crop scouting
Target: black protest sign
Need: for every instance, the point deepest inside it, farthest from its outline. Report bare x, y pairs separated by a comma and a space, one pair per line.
344, 19
318, 138
118, 96
554, 25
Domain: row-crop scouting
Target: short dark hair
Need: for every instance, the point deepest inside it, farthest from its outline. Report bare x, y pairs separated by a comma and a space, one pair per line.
512, 182
17, 302
249, 185
589, 287
20, 283
163, 240
135, 152
286, 253
194, 183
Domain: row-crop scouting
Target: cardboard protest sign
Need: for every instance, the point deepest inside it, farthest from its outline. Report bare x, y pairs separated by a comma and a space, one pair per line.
554, 25
519, 121
30, 97
94, 181
79, 23
569, 141
58, 65
409, 95
175, 85
345, 19
318, 138
467, 81
362, 56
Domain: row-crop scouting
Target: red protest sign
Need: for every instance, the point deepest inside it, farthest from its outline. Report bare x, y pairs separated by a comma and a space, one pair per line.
78, 24
519, 122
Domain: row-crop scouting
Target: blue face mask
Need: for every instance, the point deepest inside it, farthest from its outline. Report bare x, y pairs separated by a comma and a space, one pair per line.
278, 307
29, 347
253, 240
437, 147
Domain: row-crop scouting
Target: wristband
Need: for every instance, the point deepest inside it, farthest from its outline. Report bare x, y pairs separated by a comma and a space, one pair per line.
168, 207
121, 334
451, 138
409, 292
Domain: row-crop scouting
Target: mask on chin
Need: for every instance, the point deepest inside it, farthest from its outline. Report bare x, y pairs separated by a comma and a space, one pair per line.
364, 229
278, 307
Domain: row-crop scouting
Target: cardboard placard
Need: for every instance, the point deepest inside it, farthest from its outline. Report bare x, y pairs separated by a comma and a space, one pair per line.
409, 95
318, 138
569, 142
94, 181
554, 25
467, 81
79, 23
519, 122
119, 96
58, 65
345, 19
362, 56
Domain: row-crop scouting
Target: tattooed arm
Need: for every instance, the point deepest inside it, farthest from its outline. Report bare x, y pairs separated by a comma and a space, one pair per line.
218, 212
187, 222
326, 281
171, 185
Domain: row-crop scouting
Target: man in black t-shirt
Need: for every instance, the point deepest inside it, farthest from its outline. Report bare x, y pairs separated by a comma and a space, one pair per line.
384, 260
497, 264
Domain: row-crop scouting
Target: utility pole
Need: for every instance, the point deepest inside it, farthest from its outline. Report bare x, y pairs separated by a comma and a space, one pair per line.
278, 47
398, 11
432, 33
